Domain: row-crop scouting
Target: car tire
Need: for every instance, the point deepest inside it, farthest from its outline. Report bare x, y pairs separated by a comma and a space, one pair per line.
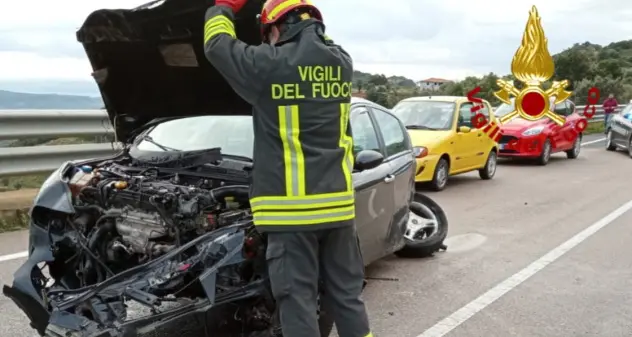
440, 175
424, 247
489, 170
545, 156
630, 147
577, 145
610, 146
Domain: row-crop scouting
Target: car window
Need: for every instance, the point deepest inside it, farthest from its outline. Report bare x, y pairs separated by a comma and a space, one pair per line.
570, 106
364, 134
425, 114
484, 111
465, 115
393, 133
561, 109
626, 112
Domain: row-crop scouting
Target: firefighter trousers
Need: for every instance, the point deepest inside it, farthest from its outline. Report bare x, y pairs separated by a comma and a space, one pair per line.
295, 262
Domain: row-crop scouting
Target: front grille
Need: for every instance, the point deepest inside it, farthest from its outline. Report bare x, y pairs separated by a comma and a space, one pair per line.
508, 151
506, 139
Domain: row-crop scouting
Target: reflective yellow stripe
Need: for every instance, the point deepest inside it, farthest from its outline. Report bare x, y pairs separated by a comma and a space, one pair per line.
310, 197
370, 334
346, 143
289, 130
217, 25
306, 202
299, 218
284, 5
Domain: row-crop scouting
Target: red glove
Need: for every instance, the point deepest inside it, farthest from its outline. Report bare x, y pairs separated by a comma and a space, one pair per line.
235, 5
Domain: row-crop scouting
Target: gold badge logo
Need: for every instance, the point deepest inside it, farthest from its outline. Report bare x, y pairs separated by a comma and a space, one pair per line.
532, 64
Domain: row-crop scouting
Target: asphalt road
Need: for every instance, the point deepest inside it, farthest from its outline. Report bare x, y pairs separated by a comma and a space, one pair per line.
537, 251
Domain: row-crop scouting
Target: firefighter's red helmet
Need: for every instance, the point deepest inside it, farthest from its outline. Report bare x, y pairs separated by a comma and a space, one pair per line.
274, 10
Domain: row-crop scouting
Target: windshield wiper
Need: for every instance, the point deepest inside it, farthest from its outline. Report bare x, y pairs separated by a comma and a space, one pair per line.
419, 127
148, 138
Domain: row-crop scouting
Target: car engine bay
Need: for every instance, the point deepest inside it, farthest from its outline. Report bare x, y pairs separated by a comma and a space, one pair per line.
135, 217
151, 235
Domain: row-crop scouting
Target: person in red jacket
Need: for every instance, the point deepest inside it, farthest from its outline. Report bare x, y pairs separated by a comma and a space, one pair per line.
609, 106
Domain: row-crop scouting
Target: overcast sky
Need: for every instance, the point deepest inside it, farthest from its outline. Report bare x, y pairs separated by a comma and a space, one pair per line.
414, 38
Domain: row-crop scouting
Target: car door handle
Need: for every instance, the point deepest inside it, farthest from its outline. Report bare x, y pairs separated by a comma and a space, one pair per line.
389, 178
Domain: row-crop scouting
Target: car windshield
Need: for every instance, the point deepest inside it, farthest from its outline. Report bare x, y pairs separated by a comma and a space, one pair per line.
627, 109
425, 115
233, 134
504, 109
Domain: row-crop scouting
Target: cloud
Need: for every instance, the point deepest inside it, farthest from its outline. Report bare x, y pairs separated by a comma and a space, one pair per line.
418, 39
456, 38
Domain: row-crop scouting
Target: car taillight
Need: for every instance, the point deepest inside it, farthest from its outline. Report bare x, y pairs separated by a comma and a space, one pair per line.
420, 151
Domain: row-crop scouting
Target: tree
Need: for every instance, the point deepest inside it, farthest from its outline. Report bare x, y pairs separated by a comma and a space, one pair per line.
378, 80
584, 65
610, 67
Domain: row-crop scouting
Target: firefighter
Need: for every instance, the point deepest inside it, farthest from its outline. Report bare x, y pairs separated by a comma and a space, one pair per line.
299, 84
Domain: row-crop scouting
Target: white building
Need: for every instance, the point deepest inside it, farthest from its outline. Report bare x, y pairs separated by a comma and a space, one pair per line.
432, 83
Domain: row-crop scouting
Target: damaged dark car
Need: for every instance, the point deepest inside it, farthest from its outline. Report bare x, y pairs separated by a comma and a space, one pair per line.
161, 234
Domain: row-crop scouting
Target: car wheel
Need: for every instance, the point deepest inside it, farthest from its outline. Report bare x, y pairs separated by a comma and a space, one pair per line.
440, 176
545, 156
609, 143
426, 230
630, 147
489, 170
577, 145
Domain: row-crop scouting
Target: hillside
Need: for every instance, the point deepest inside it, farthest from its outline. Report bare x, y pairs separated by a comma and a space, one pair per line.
361, 79
16, 100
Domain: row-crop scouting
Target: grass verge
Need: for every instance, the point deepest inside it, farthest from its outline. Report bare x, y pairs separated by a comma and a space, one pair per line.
12, 220
594, 127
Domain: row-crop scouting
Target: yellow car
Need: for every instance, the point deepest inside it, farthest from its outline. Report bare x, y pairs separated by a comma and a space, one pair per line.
445, 141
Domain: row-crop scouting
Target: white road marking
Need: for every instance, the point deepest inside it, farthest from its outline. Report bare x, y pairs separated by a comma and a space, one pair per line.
594, 141
14, 256
460, 316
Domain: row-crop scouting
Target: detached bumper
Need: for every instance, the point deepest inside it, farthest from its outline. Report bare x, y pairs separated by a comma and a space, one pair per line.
33, 309
514, 146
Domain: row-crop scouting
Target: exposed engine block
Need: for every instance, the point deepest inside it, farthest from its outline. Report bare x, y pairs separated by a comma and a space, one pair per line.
138, 230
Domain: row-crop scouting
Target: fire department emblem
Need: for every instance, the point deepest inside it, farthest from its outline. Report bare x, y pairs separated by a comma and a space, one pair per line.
532, 65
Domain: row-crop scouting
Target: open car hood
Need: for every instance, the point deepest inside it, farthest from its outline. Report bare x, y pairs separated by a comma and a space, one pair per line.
149, 62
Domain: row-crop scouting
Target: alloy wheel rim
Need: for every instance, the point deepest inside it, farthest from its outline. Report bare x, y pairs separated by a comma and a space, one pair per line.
491, 164
547, 151
609, 139
577, 146
423, 226
442, 175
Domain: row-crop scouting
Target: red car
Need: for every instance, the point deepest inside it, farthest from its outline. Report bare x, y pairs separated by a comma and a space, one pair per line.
539, 139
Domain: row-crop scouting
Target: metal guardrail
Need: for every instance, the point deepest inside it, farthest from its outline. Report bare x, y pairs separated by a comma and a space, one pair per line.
38, 159
21, 124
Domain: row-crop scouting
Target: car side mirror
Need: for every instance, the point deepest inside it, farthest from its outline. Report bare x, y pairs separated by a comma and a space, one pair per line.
368, 159
464, 129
